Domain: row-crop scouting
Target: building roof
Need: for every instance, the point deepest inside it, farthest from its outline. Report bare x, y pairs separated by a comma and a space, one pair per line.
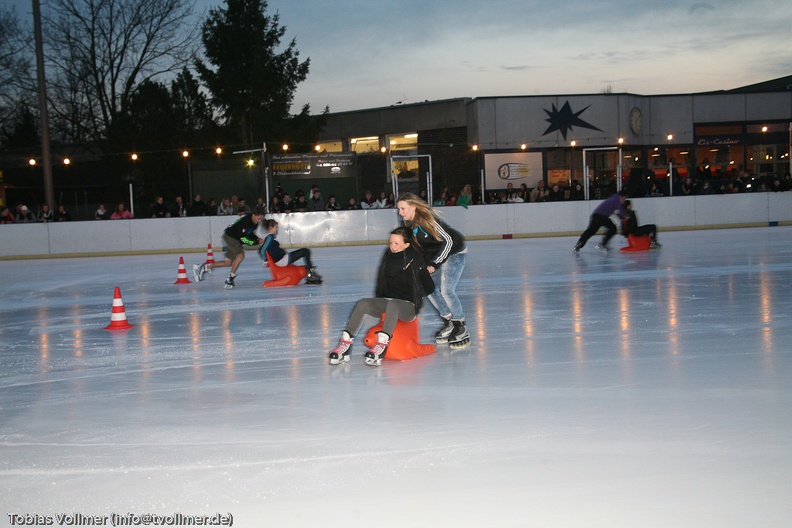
781, 84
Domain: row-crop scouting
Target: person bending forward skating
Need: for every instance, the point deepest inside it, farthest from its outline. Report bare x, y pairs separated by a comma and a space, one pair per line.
402, 282
237, 235
600, 217
445, 253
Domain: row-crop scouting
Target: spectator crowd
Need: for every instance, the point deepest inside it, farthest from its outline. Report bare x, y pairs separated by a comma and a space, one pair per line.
283, 202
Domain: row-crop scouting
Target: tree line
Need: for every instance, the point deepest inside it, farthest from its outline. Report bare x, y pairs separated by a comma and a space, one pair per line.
152, 76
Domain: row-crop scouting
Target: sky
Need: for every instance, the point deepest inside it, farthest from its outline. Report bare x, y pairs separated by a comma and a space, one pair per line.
367, 54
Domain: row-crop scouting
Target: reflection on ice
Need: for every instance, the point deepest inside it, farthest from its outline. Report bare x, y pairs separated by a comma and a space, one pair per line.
660, 378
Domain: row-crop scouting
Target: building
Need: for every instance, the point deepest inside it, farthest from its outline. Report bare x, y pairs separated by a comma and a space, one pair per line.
601, 140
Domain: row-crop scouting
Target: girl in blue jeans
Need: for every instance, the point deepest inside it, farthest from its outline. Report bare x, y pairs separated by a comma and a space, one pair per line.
445, 253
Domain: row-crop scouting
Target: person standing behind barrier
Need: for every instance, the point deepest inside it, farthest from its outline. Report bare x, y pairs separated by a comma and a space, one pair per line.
159, 209
445, 253
402, 283
601, 218
178, 209
464, 196
225, 208
62, 215
5, 216
101, 213
121, 213
46, 214
332, 204
539, 193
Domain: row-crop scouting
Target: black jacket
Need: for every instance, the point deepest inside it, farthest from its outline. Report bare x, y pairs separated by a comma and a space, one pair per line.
403, 276
244, 230
437, 251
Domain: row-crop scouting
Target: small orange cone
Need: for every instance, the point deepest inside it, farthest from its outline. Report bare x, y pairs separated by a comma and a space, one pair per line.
209, 255
118, 320
181, 277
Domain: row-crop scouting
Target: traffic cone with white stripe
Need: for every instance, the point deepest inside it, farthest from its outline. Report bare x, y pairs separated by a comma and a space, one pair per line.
181, 277
118, 320
209, 255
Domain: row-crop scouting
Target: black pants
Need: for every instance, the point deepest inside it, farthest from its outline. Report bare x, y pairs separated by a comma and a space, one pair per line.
302, 253
646, 230
597, 221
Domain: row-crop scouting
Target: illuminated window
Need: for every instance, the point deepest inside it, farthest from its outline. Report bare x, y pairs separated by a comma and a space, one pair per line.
364, 145
329, 146
403, 142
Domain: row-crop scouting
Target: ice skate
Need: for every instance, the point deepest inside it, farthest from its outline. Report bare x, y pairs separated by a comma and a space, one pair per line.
655, 245
577, 248
374, 356
459, 337
312, 277
198, 271
229, 282
602, 247
441, 336
340, 353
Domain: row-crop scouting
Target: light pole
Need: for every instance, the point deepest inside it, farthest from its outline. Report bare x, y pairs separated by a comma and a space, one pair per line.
49, 190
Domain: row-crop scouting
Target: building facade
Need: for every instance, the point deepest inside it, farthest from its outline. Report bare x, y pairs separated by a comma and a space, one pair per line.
603, 141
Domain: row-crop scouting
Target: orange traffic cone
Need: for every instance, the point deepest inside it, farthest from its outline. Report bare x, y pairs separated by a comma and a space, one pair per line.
209, 255
181, 277
118, 320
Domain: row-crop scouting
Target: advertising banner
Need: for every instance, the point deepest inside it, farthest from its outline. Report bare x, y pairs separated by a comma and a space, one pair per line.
515, 168
314, 166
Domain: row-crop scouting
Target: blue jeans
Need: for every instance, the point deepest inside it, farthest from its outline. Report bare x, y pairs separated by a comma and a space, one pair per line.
446, 278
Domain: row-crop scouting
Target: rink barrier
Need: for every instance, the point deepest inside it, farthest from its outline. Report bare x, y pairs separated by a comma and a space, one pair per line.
340, 228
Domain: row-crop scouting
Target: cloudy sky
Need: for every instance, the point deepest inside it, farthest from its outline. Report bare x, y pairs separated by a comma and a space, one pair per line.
371, 53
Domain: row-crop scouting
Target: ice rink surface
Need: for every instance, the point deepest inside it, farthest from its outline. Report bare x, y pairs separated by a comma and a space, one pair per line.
647, 389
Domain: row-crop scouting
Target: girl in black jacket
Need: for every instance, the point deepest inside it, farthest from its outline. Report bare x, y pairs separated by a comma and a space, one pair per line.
402, 282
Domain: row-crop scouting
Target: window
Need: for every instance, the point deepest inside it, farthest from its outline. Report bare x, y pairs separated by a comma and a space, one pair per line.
364, 145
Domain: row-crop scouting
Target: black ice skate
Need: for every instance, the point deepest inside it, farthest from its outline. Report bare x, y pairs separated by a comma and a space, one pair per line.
459, 337
229, 282
441, 336
312, 277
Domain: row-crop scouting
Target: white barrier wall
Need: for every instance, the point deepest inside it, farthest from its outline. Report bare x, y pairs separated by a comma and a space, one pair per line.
372, 226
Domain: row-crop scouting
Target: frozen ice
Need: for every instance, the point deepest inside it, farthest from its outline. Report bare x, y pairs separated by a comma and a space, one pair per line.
645, 389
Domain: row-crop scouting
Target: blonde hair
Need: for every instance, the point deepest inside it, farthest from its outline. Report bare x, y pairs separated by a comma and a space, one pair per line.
425, 216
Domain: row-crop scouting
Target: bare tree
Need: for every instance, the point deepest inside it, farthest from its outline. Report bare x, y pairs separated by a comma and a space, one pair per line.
15, 66
99, 52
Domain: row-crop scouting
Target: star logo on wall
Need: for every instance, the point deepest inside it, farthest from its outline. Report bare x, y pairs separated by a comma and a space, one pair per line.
563, 120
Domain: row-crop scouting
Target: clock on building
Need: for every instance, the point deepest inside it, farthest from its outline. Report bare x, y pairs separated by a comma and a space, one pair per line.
636, 120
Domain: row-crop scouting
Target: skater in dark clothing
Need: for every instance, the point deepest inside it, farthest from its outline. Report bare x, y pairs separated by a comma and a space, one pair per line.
402, 282
280, 257
237, 235
601, 218
630, 226
445, 253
